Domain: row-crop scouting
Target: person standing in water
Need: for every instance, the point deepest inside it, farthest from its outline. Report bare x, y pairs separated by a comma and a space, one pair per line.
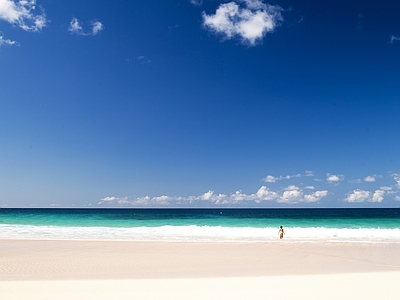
281, 232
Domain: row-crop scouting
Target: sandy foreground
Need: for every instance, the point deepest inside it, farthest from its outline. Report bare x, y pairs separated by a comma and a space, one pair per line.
32, 269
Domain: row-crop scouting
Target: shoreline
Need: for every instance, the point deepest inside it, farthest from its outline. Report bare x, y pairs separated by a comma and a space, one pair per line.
205, 241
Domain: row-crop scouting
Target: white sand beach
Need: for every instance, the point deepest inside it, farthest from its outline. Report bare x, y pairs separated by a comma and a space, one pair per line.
39, 269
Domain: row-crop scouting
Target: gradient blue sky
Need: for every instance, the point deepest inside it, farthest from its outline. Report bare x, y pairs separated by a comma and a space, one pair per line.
200, 103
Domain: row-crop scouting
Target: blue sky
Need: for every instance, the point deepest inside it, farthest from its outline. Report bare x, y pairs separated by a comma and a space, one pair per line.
199, 103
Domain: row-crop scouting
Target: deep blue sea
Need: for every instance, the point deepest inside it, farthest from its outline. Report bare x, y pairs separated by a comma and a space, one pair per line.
364, 225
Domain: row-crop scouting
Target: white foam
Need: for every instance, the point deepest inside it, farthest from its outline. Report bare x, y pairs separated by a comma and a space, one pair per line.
197, 233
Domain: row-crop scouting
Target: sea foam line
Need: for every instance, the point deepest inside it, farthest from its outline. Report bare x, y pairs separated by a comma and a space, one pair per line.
197, 233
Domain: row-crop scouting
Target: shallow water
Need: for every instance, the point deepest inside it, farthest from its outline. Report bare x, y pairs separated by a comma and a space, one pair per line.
371, 225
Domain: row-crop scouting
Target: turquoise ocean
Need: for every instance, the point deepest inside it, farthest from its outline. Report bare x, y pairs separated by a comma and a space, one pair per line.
339, 224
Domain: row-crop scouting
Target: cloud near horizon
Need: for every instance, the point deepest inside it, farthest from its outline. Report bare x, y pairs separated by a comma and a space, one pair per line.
291, 194
250, 20
363, 195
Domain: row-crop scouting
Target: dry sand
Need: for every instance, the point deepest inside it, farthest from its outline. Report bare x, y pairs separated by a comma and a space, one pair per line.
32, 269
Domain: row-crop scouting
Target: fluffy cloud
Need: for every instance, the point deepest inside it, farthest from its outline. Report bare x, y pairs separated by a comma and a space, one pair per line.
162, 200
370, 179
215, 198
249, 20
396, 177
4, 41
358, 196
264, 194
385, 188
378, 196
270, 178
75, 27
292, 194
334, 178
315, 197
107, 199
97, 27
123, 200
362, 195
238, 196
21, 13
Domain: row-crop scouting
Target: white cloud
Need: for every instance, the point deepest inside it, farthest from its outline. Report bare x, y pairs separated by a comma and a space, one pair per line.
107, 199
249, 20
162, 200
315, 197
208, 195
97, 27
142, 201
264, 193
216, 198
362, 195
4, 41
385, 188
292, 194
378, 196
238, 196
396, 177
21, 13
334, 178
75, 27
270, 178
370, 179
358, 196
113, 199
